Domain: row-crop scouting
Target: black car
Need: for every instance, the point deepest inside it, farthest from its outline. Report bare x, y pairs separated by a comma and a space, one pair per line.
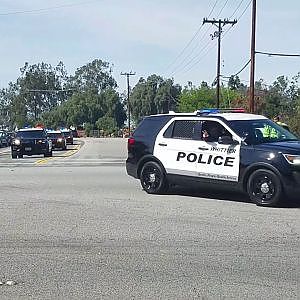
31, 141
58, 139
234, 150
69, 136
4, 139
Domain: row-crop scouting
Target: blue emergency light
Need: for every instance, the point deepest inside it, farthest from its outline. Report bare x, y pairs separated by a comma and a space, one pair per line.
208, 111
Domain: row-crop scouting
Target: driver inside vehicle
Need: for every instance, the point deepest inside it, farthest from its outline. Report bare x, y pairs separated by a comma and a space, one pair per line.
211, 131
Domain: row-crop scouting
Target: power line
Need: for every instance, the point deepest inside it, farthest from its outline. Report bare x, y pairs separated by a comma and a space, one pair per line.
202, 57
220, 23
236, 9
175, 70
48, 8
277, 54
240, 71
241, 15
197, 58
192, 39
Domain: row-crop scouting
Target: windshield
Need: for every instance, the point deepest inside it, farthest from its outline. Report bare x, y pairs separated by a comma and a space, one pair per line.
261, 131
66, 133
55, 135
32, 134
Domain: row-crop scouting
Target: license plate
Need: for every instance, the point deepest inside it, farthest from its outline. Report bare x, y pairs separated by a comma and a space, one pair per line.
27, 148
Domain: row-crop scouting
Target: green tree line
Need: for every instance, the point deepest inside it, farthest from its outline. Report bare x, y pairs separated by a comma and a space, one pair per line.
89, 97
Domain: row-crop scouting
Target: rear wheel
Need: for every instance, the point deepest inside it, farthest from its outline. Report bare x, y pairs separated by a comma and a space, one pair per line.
264, 188
14, 154
20, 155
48, 154
153, 179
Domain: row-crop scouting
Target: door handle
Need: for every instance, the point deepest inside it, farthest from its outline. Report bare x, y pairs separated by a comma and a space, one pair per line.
202, 148
162, 144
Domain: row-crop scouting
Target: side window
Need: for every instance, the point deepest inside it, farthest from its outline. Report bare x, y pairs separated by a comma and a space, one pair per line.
169, 131
212, 130
185, 129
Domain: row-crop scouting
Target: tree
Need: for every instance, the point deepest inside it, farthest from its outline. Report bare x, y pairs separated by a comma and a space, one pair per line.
152, 96
281, 97
39, 86
197, 98
95, 76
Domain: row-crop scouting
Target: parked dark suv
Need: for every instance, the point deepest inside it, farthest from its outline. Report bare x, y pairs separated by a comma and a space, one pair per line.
232, 150
31, 141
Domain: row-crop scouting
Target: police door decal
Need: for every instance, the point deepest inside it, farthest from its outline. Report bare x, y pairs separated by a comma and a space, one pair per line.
216, 161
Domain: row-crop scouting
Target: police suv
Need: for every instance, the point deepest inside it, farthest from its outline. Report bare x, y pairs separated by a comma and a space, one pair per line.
220, 149
31, 141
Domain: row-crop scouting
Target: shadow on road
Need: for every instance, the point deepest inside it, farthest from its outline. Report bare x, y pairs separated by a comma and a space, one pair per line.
225, 196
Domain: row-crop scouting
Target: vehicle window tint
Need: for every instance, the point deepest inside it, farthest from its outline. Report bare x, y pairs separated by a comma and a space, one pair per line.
185, 129
169, 131
150, 126
261, 131
54, 135
212, 130
31, 134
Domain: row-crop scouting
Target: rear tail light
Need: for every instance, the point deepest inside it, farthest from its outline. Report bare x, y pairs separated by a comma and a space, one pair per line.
130, 142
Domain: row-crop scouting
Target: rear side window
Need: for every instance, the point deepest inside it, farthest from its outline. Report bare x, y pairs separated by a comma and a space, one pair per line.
150, 126
185, 129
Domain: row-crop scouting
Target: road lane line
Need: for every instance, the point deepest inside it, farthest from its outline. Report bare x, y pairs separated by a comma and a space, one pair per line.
67, 154
43, 160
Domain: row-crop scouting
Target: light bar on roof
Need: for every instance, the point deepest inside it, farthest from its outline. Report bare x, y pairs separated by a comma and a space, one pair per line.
207, 111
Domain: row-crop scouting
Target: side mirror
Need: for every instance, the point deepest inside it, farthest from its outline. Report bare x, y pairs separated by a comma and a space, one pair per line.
227, 140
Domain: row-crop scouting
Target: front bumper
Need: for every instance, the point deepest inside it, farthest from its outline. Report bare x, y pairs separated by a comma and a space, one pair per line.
30, 149
56, 144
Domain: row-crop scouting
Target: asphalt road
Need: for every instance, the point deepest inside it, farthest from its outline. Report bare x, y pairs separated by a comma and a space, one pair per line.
77, 227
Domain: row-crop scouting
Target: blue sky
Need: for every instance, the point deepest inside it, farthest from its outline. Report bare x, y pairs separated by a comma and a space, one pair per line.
147, 36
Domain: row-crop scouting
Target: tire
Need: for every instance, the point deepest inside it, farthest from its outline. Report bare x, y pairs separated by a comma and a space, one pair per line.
153, 179
264, 188
20, 155
14, 155
48, 154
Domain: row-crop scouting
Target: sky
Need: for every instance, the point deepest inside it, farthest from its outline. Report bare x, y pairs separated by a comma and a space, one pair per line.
163, 37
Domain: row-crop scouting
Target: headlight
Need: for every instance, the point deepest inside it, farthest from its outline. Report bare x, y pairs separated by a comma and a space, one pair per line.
17, 142
292, 159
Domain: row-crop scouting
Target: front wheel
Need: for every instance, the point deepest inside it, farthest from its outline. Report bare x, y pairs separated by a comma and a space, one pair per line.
264, 188
153, 179
14, 154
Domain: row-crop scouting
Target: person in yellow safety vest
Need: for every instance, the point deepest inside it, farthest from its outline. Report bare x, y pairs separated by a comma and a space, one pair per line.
277, 120
269, 132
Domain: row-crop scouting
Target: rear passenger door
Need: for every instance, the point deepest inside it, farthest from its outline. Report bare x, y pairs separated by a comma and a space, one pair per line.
176, 146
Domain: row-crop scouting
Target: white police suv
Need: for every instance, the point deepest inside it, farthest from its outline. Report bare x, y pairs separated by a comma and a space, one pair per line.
219, 149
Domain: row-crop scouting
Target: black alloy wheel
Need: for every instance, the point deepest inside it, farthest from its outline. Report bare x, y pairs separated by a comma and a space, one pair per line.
264, 188
152, 178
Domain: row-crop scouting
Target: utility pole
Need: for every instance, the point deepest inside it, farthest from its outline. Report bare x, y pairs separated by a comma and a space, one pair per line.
128, 100
252, 68
217, 34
